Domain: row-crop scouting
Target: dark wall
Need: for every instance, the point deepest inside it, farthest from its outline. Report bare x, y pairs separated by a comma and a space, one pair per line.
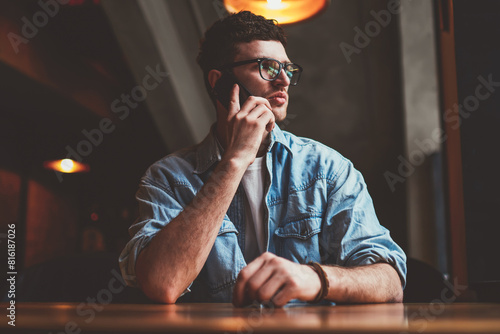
477, 53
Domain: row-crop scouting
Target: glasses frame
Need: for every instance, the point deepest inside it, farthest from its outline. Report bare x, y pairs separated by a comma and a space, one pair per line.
259, 61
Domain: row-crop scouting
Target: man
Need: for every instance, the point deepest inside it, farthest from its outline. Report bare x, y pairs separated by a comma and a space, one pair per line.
250, 213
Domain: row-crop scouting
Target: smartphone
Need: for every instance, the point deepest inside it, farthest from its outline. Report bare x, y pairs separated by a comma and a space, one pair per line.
224, 86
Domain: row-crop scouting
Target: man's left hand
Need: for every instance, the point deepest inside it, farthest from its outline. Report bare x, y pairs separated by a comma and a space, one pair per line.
270, 278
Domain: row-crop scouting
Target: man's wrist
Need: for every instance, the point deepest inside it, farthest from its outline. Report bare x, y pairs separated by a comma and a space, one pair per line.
237, 162
325, 284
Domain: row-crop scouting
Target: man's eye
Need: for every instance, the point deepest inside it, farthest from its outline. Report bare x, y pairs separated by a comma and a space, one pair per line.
272, 71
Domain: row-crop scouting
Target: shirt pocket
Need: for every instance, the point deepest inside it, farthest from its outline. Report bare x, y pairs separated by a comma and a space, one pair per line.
298, 240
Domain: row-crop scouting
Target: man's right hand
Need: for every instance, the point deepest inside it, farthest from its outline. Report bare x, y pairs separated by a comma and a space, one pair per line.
247, 127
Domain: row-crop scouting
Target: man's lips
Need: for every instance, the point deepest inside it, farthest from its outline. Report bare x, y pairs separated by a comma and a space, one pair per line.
279, 98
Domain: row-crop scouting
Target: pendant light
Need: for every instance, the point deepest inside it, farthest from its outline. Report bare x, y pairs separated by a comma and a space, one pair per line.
283, 11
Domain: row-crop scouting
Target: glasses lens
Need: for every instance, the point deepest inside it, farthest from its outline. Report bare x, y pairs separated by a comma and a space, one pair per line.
269, 69
293, 72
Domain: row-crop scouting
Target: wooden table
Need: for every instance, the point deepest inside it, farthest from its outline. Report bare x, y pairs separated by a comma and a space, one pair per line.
224, 318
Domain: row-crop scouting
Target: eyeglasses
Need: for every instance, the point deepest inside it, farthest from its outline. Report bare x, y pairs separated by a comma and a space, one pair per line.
270, 69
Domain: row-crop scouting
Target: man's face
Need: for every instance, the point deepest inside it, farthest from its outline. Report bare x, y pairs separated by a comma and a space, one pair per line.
275, 91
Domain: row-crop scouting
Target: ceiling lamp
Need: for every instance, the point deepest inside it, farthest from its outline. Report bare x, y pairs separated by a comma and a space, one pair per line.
283, 11
66, 166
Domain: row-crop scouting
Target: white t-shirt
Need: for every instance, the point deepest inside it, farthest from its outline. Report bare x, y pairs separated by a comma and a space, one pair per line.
253, 183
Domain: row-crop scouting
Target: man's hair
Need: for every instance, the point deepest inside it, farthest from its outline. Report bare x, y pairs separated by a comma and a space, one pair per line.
219, 45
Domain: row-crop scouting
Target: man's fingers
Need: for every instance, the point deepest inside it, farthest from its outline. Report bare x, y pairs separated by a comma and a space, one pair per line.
253, 102
270, 126
239, 293
270, 288
257, 281
268, 104
260, 113
283, 296
271, 278
269, 119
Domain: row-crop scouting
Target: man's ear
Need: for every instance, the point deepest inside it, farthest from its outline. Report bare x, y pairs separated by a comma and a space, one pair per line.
213, 76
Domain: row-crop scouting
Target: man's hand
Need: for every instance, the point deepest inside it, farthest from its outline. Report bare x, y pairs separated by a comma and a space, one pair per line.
275, 279
246, 127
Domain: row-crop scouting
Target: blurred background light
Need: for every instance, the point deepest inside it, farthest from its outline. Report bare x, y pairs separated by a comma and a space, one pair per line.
67, 166
284, 11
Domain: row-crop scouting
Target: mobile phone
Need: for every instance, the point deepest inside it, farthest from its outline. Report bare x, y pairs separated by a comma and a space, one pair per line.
224, 86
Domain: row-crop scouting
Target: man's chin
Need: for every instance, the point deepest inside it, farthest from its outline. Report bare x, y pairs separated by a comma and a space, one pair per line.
279, 113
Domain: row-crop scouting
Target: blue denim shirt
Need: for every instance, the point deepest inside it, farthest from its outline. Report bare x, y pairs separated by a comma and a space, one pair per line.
316, 203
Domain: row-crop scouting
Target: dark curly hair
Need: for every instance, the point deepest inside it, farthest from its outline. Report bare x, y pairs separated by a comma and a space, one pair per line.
219, 45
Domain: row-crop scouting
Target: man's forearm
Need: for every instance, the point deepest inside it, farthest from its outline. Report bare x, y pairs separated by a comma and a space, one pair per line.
176, 255
376, 283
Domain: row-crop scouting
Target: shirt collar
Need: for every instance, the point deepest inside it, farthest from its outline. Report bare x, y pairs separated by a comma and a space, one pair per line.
209, 151
277, 136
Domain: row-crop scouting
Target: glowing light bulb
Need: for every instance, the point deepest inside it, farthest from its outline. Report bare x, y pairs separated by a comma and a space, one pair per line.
67, 165
285, 12
274, 4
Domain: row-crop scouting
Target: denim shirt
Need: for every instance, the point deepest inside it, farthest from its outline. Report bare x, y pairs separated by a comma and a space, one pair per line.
317, 209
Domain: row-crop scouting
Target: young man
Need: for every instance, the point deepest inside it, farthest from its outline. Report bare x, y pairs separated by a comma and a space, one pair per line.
254, 213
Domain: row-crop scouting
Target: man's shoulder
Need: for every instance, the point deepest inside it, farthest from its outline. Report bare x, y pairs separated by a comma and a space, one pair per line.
303, 147
313, 160
173, 165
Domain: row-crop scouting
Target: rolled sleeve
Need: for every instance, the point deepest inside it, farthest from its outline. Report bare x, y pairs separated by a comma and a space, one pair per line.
353, 230
157, 207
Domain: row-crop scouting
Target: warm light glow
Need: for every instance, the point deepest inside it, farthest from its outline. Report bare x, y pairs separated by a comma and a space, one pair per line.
283, 11
275, 4
66, 166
